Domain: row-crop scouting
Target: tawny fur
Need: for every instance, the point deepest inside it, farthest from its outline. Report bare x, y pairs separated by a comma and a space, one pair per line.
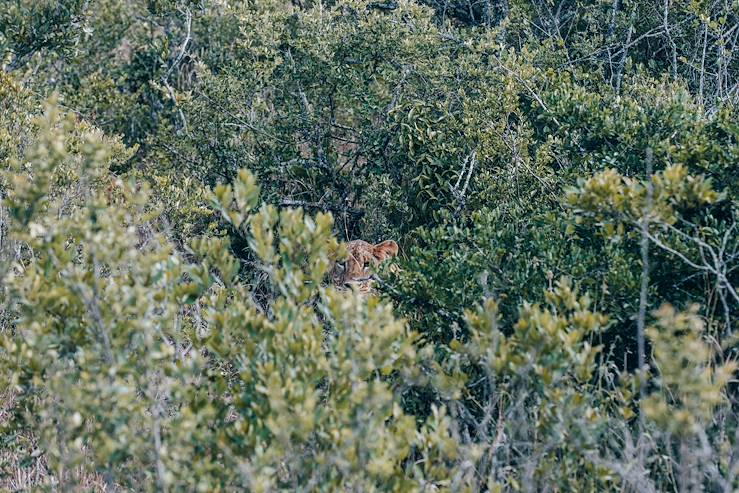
362, 257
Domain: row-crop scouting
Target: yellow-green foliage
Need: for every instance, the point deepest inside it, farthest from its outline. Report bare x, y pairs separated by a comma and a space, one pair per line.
293, 391
690, 385
553, 172
608, 194
156, 367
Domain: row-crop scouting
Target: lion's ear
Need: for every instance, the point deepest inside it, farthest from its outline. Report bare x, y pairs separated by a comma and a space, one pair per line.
385, 250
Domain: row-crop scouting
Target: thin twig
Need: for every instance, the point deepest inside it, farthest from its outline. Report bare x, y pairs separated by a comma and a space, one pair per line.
643, 292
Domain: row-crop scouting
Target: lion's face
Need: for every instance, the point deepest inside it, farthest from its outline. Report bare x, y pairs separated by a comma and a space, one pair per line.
362, 257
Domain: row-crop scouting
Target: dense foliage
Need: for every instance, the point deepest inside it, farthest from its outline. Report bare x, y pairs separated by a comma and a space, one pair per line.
175, 181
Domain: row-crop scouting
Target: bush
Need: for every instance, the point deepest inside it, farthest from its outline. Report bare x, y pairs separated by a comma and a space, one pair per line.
174, 179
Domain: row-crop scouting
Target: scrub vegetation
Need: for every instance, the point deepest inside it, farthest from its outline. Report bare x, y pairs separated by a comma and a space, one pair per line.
178, 181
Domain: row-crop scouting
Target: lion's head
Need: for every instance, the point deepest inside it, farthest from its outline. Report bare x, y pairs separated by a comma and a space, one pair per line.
362, 257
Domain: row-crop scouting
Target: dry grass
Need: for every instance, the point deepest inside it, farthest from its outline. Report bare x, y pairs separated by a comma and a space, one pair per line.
17, 473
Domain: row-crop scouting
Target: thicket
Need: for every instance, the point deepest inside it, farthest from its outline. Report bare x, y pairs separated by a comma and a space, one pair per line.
175, 181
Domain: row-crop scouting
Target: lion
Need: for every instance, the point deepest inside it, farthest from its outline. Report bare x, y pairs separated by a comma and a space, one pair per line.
355, 270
